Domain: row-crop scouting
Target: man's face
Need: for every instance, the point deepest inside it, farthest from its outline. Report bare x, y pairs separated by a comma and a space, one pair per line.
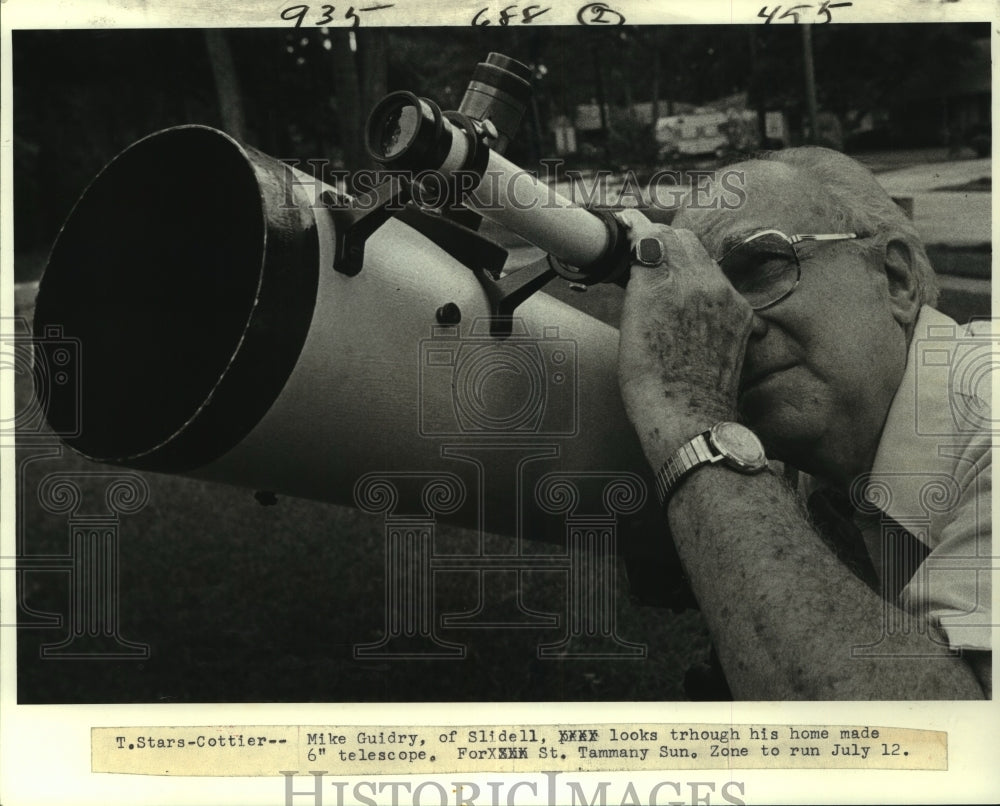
822, 365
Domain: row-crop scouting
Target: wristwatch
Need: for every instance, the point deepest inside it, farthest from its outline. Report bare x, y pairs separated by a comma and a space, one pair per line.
735, 445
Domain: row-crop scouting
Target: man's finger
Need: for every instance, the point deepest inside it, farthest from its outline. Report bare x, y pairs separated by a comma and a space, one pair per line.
694, 252
674, 252
633, 220
646, 280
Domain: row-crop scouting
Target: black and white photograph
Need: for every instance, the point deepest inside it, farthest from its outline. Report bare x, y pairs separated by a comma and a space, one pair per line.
506, 362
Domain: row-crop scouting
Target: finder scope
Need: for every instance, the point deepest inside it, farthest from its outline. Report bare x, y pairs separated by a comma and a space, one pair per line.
456, 151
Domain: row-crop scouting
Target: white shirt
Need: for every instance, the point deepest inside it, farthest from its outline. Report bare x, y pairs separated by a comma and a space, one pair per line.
933, 475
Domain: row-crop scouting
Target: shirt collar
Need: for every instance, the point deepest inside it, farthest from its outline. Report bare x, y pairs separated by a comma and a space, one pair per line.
921, 420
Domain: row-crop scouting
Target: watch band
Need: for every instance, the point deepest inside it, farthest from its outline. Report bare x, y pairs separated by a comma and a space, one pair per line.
689, 456
732, 444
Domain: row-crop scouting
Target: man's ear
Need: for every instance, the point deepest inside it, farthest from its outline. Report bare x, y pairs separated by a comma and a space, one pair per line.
901, 274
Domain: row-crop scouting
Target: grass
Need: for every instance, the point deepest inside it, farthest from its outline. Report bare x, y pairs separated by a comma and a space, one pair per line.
239, 602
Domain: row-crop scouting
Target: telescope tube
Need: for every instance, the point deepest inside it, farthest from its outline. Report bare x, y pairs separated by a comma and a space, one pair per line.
517, 200
217, 341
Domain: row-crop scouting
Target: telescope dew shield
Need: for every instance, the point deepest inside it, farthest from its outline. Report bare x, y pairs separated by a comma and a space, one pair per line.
191, 284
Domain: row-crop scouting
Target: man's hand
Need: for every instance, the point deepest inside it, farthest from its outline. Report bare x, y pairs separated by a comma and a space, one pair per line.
684, 332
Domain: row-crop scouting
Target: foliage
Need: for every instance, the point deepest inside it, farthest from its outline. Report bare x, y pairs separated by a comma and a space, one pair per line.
631, 141
82, 96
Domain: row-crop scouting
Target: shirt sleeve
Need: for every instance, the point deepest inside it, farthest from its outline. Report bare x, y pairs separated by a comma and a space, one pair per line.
953, 587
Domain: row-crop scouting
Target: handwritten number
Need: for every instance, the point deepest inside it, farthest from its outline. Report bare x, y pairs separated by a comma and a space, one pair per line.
509, 13
298, 14
769, 16
825, 9
793, 12
505, 15
597, 13
529, 16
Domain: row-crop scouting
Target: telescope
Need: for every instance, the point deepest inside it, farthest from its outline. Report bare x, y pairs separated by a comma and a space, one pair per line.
240, 321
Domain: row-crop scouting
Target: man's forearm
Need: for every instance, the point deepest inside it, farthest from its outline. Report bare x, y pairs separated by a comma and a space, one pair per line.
784, 612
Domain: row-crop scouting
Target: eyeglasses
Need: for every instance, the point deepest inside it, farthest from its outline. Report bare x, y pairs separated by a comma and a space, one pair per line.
764, 268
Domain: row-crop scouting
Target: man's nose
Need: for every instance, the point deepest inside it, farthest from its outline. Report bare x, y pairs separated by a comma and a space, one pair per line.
758, 326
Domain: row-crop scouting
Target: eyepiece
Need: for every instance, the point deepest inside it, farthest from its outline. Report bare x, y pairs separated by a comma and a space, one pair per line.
398, 130
405, 131
500, 90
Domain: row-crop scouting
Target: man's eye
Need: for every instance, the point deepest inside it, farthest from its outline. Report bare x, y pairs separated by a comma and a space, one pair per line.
753, 270
762, 275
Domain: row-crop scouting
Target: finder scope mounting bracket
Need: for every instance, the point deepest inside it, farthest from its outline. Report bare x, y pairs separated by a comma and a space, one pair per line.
353, 225
484, 257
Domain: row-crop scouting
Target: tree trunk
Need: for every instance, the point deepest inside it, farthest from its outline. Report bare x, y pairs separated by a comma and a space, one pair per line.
227, 85
372, 52
360, 79
345, 77
654, 110
599, 92
810, 81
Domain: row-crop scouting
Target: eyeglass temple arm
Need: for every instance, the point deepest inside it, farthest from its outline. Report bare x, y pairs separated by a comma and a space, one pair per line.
833, 236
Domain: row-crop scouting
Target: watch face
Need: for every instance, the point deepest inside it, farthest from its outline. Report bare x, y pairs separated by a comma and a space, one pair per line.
739, 445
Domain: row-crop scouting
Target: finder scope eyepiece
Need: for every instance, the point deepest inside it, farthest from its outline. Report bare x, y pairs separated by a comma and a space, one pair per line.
409, 132
405, 131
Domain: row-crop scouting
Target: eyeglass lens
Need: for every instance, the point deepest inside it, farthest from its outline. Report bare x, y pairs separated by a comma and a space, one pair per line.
762, 269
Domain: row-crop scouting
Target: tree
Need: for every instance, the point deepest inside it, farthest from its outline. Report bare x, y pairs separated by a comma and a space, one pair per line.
227, 84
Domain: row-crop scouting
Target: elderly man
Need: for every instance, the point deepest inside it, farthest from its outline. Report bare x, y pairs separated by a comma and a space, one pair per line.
801, 318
